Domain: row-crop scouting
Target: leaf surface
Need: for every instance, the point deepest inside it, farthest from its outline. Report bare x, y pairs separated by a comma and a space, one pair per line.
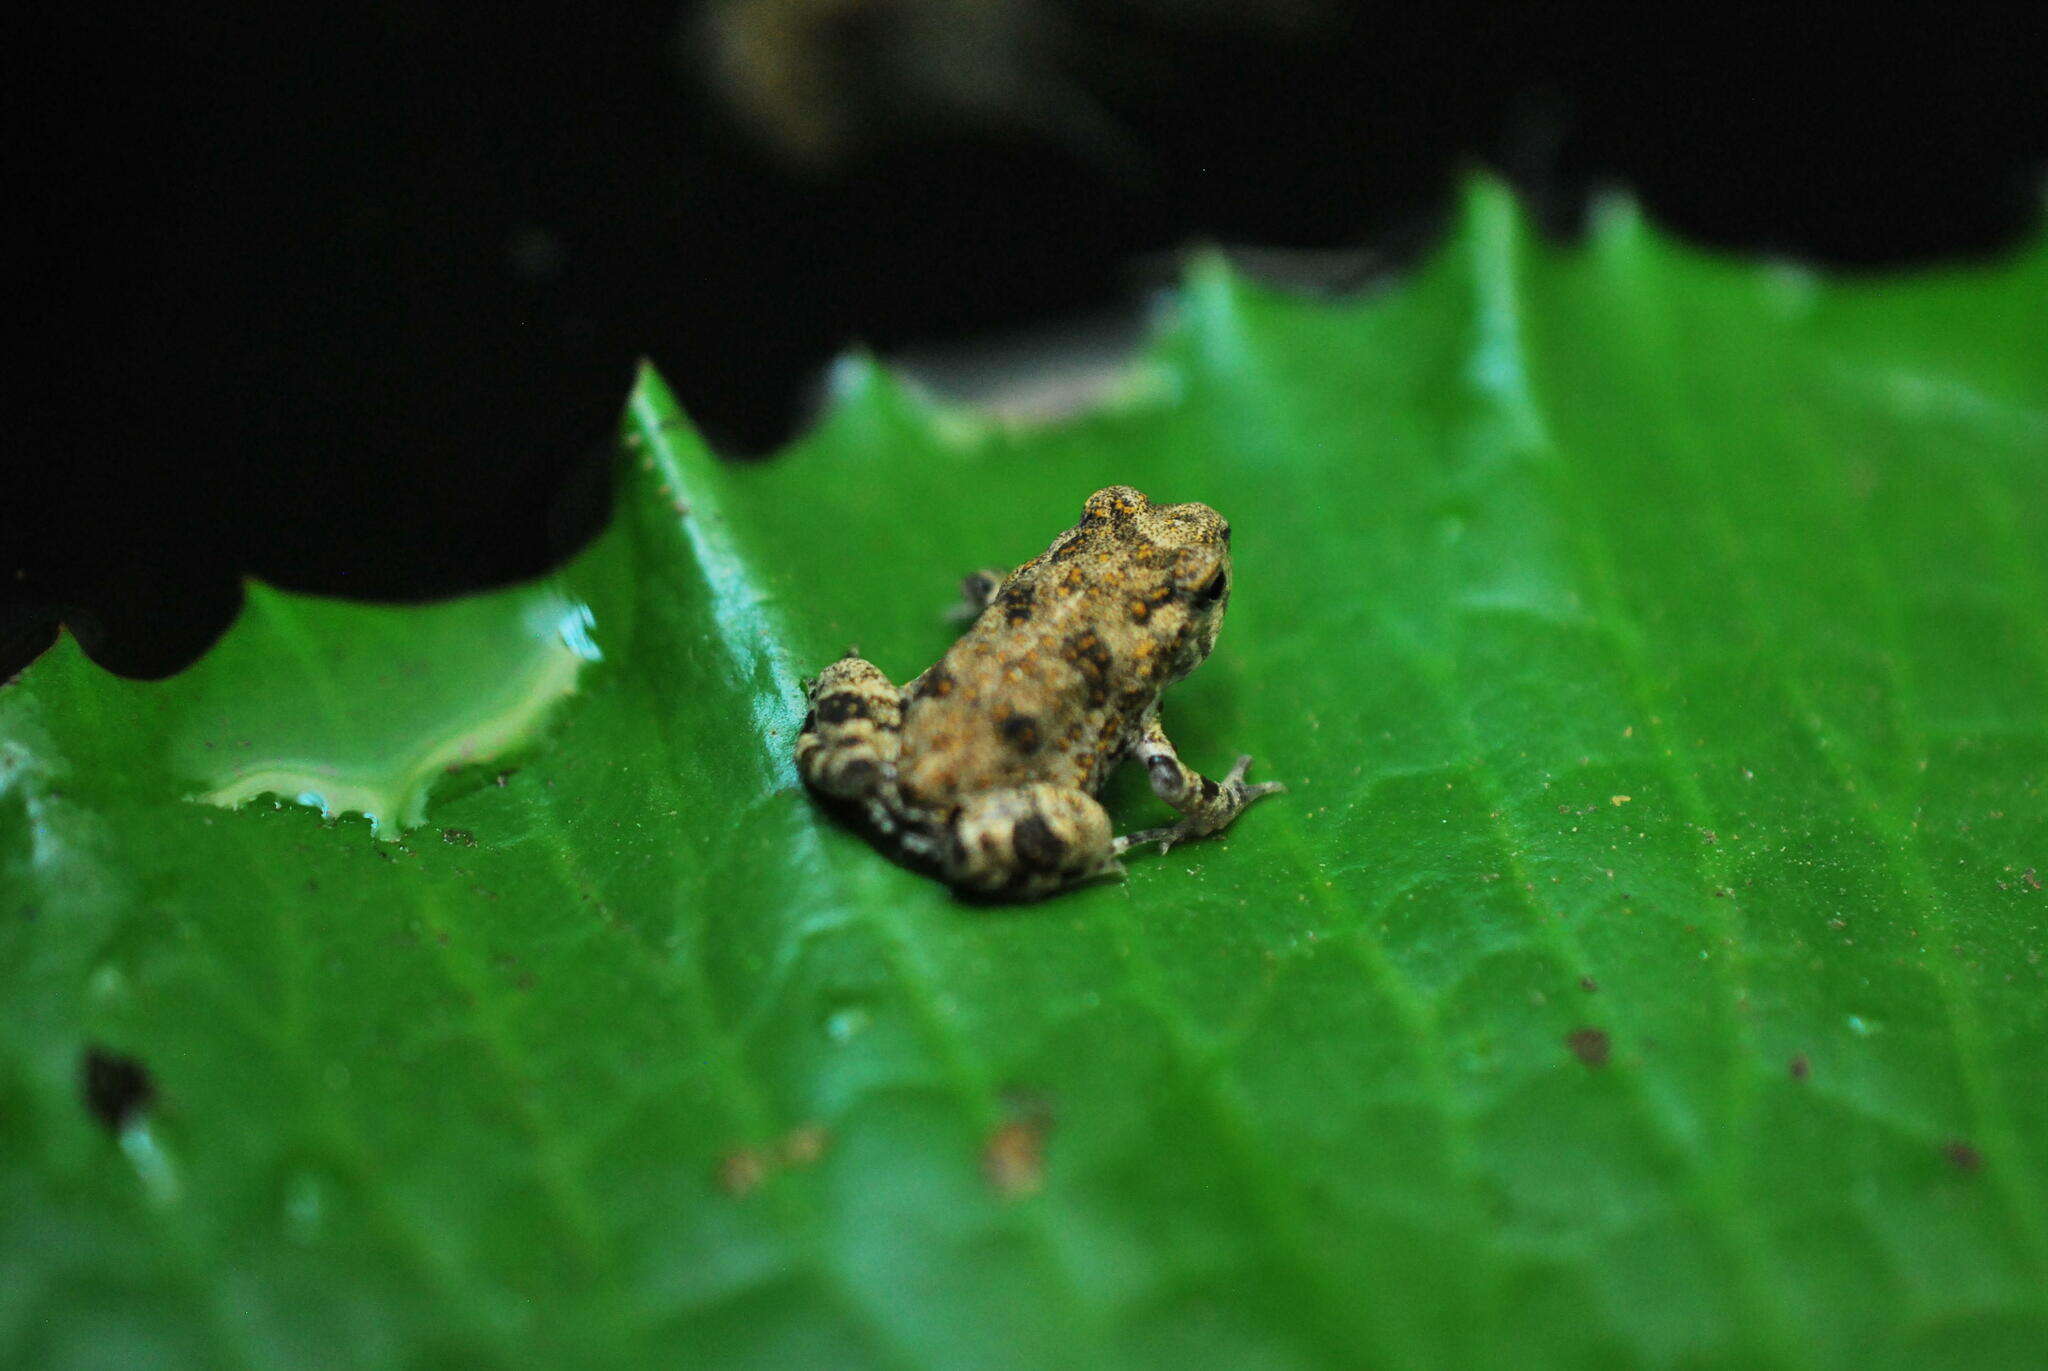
1644, 967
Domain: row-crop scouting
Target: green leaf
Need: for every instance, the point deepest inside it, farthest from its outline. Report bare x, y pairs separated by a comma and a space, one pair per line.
1645, 967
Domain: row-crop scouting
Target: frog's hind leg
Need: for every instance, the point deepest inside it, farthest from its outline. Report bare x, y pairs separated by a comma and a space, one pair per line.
1028, 840
850, 739
1206, 806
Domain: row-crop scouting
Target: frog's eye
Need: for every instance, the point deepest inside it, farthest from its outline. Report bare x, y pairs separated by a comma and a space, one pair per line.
1211, 590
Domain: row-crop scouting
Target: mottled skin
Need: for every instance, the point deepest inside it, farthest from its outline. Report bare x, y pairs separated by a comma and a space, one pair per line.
987, 765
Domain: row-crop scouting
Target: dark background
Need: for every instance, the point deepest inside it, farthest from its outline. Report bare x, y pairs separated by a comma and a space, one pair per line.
350, 301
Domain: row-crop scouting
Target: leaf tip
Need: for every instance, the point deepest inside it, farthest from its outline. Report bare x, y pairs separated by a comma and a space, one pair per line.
1617, 227
1488, 211
867, 398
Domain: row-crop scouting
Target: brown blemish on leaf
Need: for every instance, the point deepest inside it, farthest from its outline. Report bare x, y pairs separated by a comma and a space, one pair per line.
2030, 878
1800, 1067
1588, 984
458, 837
1013, 1157
741, 1171
1963, 1156
803, 1145
1590, 1045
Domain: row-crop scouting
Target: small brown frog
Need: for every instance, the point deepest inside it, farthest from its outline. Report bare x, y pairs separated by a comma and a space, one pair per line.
986, 767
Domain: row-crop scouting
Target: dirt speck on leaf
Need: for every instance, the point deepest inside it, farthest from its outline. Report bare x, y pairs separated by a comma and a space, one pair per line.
1963, 1155
741, 1171
1591, 1046
1013, 1157
2031, 878
1800, 1067
115, 1088
1588, 984
803, 1145
458, 837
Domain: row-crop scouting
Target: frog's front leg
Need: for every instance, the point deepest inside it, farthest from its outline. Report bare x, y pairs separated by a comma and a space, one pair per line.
1207, 806
850, 739
977, 592
1028, 840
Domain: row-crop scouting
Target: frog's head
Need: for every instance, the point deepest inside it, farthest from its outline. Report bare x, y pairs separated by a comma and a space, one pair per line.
1179, 559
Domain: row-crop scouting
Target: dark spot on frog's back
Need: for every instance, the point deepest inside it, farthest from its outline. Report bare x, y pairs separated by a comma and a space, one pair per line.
840, 706
1093, 660
937, 684
1016, 604
1021, 732
1036, 844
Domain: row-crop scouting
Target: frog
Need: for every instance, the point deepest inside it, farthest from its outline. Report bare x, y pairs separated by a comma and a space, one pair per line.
986, 770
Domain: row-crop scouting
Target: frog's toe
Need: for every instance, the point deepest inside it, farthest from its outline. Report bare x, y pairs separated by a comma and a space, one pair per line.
1166, 837
1243, 794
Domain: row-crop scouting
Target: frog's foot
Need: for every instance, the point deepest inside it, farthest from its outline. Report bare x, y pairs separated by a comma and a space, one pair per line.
1206, 806
1026, 841
848, 745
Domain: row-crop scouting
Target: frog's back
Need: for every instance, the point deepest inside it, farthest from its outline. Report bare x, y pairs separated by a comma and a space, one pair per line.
1055, 676
1005, 707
